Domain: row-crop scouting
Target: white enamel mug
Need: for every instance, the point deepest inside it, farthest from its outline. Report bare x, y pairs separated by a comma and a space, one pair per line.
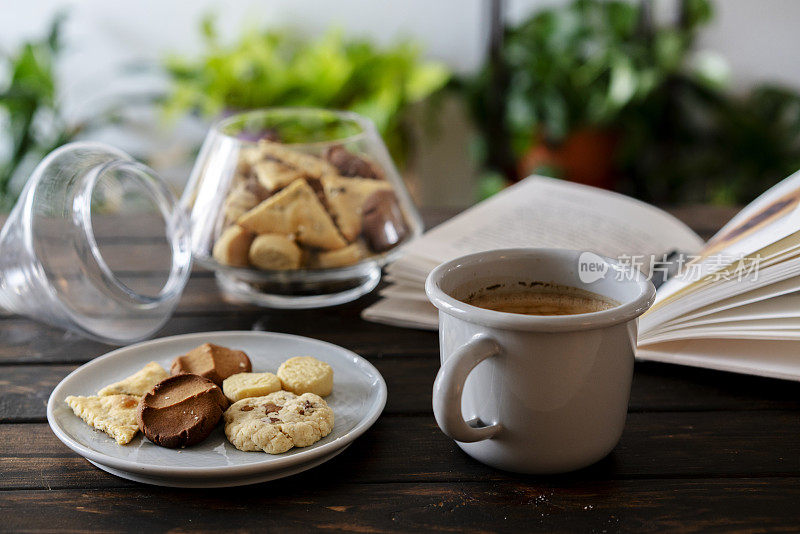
535, 394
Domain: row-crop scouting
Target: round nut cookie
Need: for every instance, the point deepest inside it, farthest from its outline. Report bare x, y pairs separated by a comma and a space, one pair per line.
277, 422
304, 374
243, 385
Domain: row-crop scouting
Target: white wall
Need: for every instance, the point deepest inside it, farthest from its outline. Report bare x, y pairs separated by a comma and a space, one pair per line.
759, 38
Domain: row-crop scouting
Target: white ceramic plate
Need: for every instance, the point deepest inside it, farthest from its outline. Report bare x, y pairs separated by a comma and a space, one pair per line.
359, 395
218, 482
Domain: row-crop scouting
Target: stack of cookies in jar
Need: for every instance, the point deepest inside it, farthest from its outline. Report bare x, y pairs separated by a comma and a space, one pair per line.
287, 209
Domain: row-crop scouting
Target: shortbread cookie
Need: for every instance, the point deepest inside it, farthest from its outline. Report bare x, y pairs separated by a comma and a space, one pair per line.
274, 174
138, 383
295, 210
113, 414
245, 385
213, 362
181, 410
239, 200
274, 252
305, 374
349, 255
233, 246
346, 197
277, 422
308, 164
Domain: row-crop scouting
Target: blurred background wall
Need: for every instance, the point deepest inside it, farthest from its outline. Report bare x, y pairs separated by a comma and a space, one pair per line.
105, 39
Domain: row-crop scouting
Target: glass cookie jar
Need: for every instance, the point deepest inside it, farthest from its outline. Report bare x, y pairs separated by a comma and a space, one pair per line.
297, 207
95, 245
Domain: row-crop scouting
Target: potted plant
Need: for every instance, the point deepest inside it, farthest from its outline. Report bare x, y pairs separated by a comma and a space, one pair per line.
567, 74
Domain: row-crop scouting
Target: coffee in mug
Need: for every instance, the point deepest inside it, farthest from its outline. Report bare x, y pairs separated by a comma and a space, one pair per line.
539, 298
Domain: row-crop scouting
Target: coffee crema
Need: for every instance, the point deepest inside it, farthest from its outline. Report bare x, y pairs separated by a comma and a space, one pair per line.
540, 299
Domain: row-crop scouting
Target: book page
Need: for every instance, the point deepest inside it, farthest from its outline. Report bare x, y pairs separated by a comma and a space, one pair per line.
697, 293
761, 357
406, 313
765, 295
771, 221
545, 212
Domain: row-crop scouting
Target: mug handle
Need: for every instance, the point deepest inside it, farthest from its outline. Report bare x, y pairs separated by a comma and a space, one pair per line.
449, 386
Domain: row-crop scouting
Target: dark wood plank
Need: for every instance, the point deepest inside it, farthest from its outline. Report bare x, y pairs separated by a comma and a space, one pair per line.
24, 389
412, 449
25, 341
662, 386
306, 503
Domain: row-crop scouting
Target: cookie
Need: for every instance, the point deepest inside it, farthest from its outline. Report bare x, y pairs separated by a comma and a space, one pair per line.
277, 422
306, 163
113, 414
383, 225
238, 202
349, 164
213, 362
305, 374
295, 210
349, 255
138, 383
244, 385
346, 197
274, 252
233, 246
275, 175
181, 410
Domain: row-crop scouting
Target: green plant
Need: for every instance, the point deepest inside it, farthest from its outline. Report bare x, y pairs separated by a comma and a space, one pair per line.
279, 68
29, 108
605, 65
580, 65
691, 143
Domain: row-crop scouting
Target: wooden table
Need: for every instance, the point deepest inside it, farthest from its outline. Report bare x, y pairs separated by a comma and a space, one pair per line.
702, 450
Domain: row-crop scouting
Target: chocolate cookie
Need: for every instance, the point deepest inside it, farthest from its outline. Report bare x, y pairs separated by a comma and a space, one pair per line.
213, 362
350, 164
181, 410
383, 223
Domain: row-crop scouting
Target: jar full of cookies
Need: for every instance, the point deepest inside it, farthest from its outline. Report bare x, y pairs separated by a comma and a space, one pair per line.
297, 207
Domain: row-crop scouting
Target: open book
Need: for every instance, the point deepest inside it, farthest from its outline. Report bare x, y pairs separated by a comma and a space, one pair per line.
733, 305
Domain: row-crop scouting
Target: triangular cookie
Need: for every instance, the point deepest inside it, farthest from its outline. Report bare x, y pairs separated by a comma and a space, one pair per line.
274, 174
305, 163
239, 200
295, 210
346, 198
114, 414
138, 383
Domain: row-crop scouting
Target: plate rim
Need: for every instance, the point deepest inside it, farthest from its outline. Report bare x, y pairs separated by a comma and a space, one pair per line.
190, 471
222, 482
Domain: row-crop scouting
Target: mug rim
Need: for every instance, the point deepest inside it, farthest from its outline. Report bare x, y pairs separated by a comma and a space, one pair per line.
624, 312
